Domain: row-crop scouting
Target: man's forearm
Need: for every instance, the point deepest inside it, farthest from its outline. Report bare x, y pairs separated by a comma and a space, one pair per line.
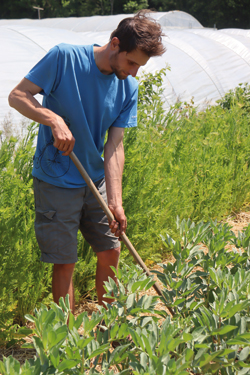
113, 165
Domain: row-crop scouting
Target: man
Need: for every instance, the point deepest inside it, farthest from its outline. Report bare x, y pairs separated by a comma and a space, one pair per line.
87, 90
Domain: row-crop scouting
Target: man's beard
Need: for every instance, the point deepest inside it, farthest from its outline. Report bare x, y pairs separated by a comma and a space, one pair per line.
120, 74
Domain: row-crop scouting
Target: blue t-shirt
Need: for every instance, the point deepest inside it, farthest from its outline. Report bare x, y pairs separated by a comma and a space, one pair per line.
89, 101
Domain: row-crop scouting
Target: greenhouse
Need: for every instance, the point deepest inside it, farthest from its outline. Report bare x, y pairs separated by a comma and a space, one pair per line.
204, 63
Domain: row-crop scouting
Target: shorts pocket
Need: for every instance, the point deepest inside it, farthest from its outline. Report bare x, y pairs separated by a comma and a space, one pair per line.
46, 231
47, 214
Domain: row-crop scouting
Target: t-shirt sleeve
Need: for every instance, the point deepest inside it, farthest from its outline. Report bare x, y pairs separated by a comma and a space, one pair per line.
128, 116
44, 73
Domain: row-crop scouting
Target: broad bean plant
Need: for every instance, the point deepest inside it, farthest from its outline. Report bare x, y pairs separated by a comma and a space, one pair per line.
207, 287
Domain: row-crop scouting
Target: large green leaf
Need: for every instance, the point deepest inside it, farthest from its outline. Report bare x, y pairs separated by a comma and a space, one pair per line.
223, 330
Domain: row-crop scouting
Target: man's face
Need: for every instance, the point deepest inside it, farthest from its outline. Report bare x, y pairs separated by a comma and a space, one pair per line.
124, 63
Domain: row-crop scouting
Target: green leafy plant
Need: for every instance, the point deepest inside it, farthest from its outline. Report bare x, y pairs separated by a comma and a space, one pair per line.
238, 97
62, 350
208, 289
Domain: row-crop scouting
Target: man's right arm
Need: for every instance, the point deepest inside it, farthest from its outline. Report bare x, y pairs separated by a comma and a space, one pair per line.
22, 99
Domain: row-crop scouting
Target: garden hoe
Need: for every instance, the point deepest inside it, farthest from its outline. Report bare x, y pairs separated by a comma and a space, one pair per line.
110, 216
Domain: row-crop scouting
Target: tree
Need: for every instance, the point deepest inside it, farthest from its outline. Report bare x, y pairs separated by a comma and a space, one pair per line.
134, 6
18, 9
112, 6
223, 13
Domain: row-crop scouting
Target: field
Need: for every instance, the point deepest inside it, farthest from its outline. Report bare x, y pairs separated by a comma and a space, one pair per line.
186, 174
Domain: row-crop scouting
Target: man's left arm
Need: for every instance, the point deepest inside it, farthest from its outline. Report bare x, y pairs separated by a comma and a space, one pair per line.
113, 166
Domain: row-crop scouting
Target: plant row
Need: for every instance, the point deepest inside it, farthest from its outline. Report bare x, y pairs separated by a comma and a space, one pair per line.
207, 289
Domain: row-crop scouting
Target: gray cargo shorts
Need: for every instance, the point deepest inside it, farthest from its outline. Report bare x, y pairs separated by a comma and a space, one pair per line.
60, 212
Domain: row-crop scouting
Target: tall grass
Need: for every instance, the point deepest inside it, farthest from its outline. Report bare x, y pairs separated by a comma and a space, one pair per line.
23, 278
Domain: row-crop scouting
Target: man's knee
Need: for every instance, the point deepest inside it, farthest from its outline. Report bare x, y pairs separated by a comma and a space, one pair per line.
109, 257
64, 268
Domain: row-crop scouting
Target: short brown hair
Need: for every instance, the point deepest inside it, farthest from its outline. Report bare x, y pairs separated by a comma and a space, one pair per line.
140, 32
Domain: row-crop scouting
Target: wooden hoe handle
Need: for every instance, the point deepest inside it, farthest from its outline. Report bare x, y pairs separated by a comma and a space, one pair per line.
111, 217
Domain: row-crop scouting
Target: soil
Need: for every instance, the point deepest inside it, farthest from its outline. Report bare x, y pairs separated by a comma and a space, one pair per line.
238, 222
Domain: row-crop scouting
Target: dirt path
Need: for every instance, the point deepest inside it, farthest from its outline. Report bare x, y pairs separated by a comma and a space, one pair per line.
238, 223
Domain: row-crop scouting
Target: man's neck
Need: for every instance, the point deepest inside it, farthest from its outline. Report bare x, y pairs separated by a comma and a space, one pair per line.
101, 59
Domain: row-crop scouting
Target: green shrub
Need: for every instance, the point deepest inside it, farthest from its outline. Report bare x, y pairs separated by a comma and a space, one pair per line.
186, 163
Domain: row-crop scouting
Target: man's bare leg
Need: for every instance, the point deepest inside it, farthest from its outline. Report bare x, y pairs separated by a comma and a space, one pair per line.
62, 283
105, 259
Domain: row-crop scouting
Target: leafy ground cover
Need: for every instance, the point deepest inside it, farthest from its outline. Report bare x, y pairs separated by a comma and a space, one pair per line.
208, 334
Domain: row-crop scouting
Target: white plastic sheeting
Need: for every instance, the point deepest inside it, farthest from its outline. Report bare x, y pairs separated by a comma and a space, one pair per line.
106, 23
205, 63
21, 48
